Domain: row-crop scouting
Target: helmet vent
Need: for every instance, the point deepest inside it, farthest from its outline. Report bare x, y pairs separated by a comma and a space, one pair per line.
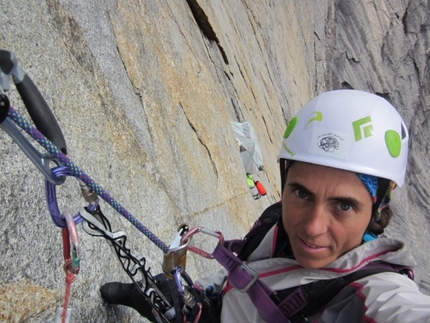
404, 131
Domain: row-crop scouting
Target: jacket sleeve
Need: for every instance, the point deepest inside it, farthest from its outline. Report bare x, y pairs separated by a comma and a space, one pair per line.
380, 298
390, 297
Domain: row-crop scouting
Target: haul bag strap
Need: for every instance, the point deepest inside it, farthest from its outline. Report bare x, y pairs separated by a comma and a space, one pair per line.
245, 280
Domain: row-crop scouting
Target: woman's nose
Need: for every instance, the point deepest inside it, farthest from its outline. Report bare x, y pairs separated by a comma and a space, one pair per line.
316, 221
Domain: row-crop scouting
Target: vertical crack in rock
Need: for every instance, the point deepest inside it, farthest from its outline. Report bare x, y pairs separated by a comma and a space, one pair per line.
405, 21
137, 90
330, 40
267, 127
72, 35
201, 141
237, 111
205, 26
73, 38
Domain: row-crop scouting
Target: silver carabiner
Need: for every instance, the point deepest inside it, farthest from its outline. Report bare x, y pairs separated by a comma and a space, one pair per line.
41, 161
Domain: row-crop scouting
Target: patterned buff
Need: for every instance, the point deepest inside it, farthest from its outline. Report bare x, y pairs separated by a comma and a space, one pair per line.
380, 198
371, 182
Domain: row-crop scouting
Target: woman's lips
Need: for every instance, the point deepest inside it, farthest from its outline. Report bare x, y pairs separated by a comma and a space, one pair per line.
312, 246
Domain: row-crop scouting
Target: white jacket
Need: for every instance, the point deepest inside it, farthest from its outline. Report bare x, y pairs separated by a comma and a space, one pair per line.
383, 297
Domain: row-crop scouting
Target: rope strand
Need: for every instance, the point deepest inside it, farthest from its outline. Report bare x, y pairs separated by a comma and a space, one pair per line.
79, 173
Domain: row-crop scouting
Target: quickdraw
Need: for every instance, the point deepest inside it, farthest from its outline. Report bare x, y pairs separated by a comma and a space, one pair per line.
71, 254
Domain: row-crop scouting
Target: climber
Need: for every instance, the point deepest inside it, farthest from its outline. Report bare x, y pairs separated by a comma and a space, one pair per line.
341, 157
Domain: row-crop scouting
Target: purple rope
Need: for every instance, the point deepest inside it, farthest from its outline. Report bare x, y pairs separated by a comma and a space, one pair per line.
79, 173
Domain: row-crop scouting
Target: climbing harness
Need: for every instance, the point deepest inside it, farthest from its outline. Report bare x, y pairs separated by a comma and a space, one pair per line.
47, 133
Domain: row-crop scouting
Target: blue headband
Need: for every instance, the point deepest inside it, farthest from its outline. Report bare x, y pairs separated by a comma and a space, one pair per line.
371, 183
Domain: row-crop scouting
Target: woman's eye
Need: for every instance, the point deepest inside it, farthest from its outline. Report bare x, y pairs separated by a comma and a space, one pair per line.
345, 206
301, 193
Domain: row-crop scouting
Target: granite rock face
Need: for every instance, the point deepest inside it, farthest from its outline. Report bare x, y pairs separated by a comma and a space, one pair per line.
145, 91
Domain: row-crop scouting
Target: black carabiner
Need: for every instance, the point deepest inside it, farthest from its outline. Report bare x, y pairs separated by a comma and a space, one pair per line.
38, 109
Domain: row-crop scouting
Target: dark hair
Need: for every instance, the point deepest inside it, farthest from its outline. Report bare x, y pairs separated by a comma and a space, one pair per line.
381, 211
377, 227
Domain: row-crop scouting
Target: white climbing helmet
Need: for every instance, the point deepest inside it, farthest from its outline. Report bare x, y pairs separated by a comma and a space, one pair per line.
350, 130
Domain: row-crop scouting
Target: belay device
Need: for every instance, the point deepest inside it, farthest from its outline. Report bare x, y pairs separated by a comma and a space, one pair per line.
56, 166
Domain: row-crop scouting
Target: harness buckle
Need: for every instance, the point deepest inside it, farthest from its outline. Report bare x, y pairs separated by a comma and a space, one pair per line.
244, 266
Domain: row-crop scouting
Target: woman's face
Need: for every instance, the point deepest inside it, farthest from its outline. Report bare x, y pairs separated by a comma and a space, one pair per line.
325, 212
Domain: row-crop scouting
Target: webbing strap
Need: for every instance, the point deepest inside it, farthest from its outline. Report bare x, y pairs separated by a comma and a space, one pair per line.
245, 279
294, 302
